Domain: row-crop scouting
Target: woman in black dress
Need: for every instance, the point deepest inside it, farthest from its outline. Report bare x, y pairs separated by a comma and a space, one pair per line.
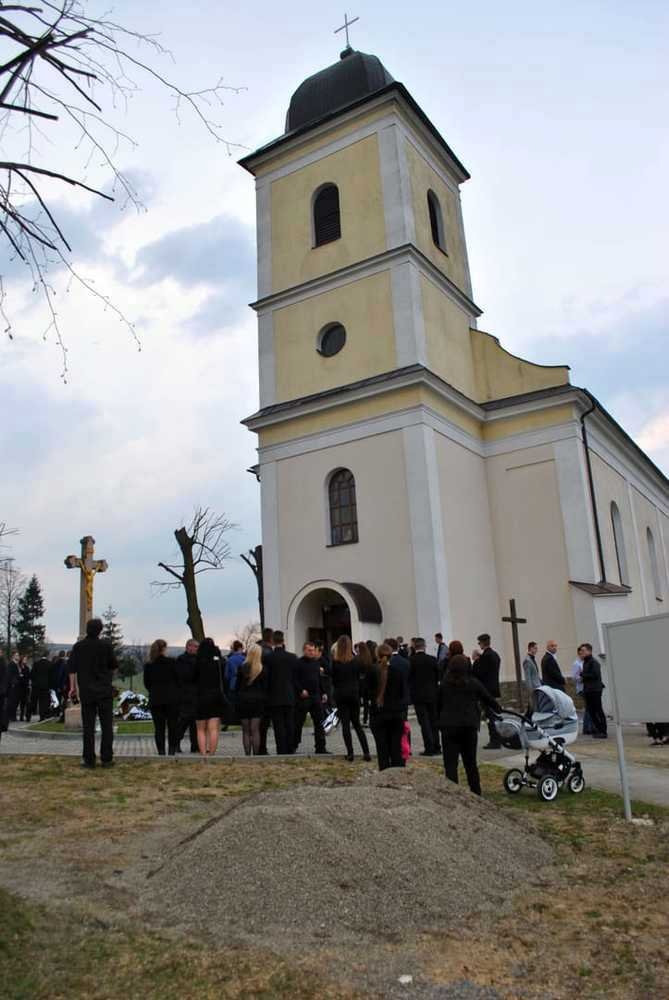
160, 681
251, 698
346, 673
210, 701
389, 692
460, 699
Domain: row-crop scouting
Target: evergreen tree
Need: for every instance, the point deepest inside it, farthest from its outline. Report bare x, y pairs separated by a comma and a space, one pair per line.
111, 630
29, 630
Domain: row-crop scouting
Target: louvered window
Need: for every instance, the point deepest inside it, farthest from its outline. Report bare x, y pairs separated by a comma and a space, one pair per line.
343, 508
436, 221
327, 221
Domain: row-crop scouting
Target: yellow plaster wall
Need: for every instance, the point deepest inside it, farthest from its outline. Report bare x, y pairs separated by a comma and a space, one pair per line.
524, 422
449, 352
356, 172
424, 178
500, 374
364, 307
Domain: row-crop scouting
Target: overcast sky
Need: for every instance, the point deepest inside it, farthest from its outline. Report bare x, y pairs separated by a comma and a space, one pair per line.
559, 113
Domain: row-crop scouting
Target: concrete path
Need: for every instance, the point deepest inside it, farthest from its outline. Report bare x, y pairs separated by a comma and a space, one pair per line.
648, 770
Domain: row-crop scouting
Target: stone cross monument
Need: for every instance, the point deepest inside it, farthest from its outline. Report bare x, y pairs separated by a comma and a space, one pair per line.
88, 567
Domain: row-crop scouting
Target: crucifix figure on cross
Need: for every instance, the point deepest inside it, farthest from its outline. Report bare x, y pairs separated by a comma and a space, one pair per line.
345, 26
515, 621
89, 567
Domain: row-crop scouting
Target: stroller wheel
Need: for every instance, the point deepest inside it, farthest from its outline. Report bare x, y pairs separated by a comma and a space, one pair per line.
576, 783
548, 788
513, 781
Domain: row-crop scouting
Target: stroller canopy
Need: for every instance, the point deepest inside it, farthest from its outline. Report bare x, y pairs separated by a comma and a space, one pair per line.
550, 701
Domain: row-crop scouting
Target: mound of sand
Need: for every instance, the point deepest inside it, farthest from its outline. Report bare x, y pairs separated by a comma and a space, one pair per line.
397, 851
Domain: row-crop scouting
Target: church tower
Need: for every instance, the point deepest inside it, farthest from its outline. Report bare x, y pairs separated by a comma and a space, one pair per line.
379, 397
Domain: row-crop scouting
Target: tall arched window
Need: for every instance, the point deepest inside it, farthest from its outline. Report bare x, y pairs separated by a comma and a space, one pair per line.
343, 510
654, 565
436, 221
327, 220
619, 542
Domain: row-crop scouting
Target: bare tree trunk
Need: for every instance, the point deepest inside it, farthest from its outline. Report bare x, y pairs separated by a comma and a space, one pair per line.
254, 561
194, 620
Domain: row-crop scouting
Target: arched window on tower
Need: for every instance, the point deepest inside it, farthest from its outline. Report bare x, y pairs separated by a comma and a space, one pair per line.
436, 221
327, 219
619, 542
343, 508
654, 564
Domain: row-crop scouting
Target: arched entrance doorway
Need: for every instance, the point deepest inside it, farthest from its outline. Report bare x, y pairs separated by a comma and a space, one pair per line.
326, 609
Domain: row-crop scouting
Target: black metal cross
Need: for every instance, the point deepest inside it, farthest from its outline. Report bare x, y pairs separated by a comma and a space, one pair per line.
515, 621
345, 26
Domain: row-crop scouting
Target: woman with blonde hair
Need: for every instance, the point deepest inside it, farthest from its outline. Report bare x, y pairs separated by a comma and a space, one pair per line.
346, 673
251, 698
211, 698
389, 692
160, 680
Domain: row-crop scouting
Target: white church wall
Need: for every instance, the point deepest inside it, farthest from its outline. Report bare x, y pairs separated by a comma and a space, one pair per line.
646, 518
382, 559
530, 549
468, 541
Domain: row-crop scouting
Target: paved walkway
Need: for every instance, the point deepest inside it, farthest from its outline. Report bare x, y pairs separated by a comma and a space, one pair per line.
649, 782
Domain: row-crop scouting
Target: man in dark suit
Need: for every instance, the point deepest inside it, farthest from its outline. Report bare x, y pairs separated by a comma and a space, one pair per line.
311, 696
40, 700
551, 675
282, 668
423, 685
486, 670
92, 664
4, 687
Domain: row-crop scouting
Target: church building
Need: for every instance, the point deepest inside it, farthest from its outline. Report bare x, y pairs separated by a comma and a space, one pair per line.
414, 474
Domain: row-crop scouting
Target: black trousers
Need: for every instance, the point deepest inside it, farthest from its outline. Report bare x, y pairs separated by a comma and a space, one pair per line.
493, 738
265, 722
3, 705
593, 703
24, 703
101, 708
426, 713
387, 735
282, 720
40, 701
460, 741
314, 708
163, 715
186, 722
12, 703
349, 715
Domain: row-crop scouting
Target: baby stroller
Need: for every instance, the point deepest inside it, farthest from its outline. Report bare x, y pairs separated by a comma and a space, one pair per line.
549, 727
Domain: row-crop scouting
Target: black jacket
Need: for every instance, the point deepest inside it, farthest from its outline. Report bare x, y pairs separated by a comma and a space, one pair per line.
459, 704
309, 678
94, 663
251, 699
4, 677
42, 671
184, 670
282, 672
486, 670
396, 696
551, 675
423, 678
160, 680
591, 675
346, 679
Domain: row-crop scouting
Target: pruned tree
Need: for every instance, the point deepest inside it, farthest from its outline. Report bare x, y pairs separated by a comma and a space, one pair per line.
253, 559
249, 634
61, 67
202, 547
12, 585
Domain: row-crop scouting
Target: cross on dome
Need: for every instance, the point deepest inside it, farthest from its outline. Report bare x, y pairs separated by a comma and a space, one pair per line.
345, 26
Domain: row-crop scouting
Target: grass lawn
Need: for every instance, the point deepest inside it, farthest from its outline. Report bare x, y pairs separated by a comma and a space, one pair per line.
123, 728
594, 926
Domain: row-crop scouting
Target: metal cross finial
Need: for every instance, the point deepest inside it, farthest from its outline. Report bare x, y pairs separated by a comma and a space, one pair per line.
345, 26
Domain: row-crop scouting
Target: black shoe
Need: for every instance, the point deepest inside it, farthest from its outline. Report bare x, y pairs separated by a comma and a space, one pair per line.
107, 763
323, 751
367, 757
349, 757
425, 753
437, 752
87, 764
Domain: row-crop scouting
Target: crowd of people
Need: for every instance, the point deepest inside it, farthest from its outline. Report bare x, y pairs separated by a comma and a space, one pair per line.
32, 686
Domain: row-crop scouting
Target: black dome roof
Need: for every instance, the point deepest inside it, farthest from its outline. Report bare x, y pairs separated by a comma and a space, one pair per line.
355, 76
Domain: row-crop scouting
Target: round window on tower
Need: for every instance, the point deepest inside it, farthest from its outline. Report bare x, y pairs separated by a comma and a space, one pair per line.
331, 339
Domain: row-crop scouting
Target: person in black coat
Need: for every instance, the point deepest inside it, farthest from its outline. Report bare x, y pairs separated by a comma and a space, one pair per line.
211, 699
551, 675
486, 671
424, 687
4, 687
24, 689
282, 668
160, 680
251, 695
311, 696
13, 680
185, 675
460, 699
346, 672
591, 675
40, 700
389, 690
91, 666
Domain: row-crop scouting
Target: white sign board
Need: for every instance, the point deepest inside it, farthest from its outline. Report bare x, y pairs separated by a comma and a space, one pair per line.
637, 664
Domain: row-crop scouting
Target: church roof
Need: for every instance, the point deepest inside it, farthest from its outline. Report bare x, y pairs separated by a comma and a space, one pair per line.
356, 75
